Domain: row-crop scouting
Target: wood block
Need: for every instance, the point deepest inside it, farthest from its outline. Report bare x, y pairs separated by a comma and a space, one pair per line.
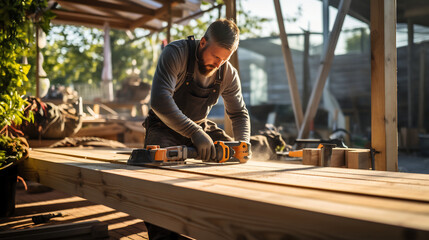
310, 156
338, 158
359, 159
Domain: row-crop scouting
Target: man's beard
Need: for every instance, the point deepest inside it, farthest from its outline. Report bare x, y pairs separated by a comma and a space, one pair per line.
205, 70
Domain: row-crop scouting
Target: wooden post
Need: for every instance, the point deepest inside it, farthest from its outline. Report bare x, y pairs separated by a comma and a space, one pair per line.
231, 13
384, 134
290, 71
324, 68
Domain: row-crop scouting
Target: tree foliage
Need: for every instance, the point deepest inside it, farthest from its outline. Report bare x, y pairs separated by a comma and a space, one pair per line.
75, 54
15, 37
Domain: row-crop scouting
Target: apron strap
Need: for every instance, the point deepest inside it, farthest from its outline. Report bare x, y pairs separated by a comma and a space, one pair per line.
191, 58
214, 94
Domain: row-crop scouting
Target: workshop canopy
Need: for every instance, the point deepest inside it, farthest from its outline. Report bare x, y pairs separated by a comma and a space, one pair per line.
123, 14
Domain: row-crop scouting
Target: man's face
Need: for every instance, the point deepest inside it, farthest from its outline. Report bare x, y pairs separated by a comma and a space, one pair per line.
211, 57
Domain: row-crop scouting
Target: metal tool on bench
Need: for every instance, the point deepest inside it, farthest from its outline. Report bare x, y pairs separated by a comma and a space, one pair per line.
233, 151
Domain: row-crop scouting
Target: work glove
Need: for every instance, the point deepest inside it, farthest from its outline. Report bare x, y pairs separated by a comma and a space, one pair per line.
204, 144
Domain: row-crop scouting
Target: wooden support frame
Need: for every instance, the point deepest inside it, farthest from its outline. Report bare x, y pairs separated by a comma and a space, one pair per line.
231, 13
324, 68
125, 6
290, 71
384, 133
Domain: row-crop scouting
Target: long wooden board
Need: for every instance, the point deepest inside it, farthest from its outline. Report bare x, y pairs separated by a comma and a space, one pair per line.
283, 174
213, 207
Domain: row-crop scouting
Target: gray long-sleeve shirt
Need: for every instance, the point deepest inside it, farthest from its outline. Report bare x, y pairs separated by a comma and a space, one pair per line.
170, 75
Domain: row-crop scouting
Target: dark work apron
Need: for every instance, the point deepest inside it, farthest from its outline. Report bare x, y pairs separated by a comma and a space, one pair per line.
194, 101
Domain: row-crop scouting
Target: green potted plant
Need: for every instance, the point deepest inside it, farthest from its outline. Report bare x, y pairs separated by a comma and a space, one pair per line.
17, 20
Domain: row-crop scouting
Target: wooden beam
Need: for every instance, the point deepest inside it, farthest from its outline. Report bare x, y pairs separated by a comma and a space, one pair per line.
217, 206
384, 133
399, 185
157, 14
110, 7
61, 13
324, 68
290, 70
416, 12
231, 13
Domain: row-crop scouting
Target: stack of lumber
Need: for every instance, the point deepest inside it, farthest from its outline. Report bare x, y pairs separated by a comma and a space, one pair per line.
256, 200
341, 157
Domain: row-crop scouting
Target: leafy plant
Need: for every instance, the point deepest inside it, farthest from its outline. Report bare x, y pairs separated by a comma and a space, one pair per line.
15, 37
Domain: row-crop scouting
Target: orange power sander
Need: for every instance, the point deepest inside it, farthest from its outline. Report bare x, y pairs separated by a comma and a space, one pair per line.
233, 151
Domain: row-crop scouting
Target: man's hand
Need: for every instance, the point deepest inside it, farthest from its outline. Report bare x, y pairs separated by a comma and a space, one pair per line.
204, 144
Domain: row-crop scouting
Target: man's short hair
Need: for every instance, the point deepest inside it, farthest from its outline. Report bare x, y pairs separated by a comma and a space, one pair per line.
224, 33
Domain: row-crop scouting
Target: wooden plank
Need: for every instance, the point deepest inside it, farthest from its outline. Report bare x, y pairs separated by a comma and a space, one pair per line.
201, 207
290, 71
158, 13
231, 13
283, 176
124, 6
112, 155
324, 68
307, 193
384, 134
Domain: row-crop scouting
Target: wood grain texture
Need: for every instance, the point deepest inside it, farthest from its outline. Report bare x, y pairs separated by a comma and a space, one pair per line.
225, 207
338, 158
384, 134
359, 159
311, 156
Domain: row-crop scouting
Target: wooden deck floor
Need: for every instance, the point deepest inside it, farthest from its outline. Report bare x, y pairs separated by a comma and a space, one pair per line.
75, 209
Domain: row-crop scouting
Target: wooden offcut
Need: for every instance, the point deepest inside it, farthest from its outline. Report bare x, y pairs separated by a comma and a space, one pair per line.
359, 159
311, 156
338, 157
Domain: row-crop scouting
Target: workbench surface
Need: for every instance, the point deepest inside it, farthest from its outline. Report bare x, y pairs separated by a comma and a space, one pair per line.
256, 200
